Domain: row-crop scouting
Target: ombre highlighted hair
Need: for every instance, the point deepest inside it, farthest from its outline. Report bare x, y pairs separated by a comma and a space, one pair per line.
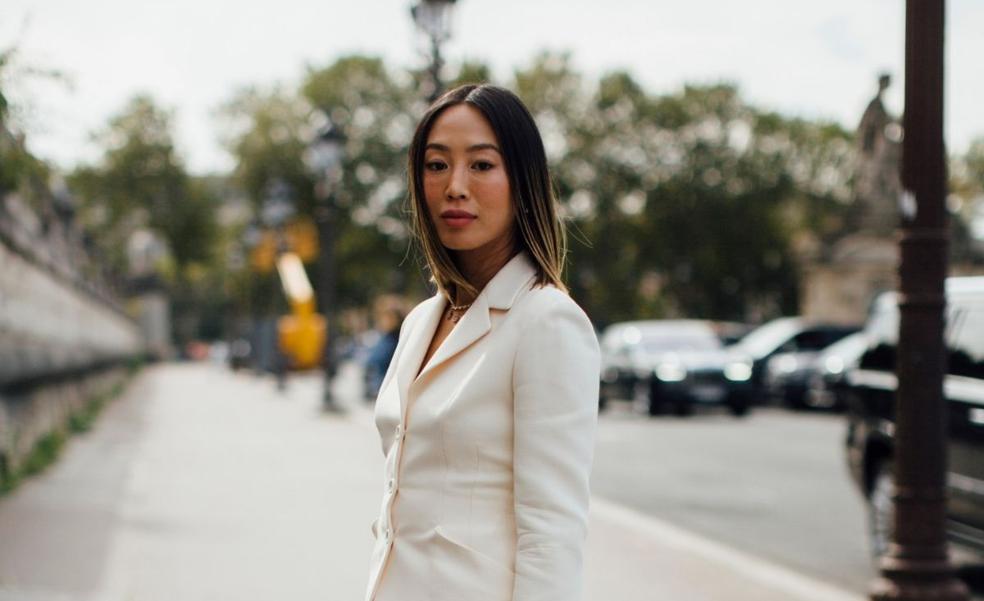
540, 231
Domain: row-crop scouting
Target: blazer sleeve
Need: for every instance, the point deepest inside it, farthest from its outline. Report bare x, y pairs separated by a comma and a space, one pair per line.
555, 388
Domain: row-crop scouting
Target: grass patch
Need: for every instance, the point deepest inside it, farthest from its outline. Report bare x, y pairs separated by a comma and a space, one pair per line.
44, 453
83, 420
47, 450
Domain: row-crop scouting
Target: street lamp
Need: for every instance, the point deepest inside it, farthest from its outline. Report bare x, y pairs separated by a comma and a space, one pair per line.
917, 566
433, 18
323, 158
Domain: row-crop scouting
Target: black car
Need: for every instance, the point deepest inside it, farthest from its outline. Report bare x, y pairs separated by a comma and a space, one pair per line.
871, 409
825, 387
785, 335
669, 365
789, 370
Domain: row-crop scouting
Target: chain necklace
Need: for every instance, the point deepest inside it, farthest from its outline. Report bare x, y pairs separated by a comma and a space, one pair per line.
454, 314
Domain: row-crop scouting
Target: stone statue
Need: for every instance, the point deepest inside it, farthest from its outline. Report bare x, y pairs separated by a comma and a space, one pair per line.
877, 184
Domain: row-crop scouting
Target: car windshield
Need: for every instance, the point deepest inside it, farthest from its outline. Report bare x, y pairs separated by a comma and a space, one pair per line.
765, 339
850, 347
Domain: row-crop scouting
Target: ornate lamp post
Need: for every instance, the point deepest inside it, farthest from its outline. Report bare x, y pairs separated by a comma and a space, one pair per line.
324, 159
916, 567
433, 18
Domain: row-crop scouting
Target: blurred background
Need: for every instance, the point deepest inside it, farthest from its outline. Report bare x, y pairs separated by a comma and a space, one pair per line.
203, 220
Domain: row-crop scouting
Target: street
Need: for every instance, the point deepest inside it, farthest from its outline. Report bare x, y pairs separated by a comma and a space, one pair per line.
774, 484
204, 484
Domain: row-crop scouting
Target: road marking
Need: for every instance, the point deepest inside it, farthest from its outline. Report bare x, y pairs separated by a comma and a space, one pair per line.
794, 584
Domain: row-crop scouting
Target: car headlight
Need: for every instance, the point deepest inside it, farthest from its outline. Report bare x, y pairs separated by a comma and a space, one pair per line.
834, 365
738, 371
671, 372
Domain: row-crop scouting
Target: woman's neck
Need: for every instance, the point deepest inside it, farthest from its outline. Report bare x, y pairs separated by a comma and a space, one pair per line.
480, 265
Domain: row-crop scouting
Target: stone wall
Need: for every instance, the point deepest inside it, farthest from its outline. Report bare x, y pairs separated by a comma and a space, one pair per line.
57, 314
64, 337
29, 414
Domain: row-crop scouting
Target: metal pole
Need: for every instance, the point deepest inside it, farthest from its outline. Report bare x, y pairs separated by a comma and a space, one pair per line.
917, 566
326, 235
435, 69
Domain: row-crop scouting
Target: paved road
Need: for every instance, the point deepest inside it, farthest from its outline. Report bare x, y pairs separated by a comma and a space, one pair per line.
774, 484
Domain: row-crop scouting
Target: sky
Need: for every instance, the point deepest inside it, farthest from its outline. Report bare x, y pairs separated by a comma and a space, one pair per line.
811, 59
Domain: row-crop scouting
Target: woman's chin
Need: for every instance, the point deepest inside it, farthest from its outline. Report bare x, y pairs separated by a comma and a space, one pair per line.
459, 245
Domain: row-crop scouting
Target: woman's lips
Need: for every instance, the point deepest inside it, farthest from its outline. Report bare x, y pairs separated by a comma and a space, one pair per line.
457, 219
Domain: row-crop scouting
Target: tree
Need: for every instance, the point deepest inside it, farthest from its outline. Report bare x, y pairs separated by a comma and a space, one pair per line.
140, 183
653, 186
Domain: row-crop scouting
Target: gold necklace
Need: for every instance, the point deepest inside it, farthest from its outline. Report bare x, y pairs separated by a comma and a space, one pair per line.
455, 310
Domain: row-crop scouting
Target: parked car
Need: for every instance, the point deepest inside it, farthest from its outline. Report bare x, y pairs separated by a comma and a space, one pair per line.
730, 332
789, 370
668, 365
825, 389
625, 347
871, 391
782, 335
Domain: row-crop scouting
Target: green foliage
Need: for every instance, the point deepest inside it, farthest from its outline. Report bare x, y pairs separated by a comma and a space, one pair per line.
19, 169
652, 185
471, 72
967, 189
268, 133
141, 182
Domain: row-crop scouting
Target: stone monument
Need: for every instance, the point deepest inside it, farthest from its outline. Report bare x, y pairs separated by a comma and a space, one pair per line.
840, 283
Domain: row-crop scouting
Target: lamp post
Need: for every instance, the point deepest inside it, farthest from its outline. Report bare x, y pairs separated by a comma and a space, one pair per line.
916, 567
324, 159
433, 18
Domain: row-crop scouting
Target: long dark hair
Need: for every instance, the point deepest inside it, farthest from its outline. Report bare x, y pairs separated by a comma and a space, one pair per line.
541, 232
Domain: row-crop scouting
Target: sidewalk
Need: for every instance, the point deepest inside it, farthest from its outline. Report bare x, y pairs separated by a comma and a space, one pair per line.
233, 491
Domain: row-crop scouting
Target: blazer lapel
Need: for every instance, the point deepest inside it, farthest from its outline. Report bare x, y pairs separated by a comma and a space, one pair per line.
419, 338
473, 325
499, 293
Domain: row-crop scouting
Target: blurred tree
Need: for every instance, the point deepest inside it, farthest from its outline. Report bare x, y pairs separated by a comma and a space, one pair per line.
140, 183
268, 133
265, 132
471, 72
20, 170
966, 203
377, 110
654, 185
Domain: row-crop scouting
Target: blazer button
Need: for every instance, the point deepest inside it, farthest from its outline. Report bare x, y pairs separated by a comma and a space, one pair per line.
390, 484
399, 431
387, 534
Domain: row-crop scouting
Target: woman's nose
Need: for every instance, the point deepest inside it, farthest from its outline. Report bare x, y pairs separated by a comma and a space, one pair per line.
458, 183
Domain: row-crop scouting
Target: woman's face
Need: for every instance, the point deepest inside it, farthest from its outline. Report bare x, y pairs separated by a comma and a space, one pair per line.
465, 182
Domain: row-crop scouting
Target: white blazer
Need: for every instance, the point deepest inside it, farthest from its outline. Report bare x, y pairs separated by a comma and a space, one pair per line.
488, 451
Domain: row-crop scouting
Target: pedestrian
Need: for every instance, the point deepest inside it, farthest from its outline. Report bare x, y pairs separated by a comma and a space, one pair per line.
388, 322
488, 411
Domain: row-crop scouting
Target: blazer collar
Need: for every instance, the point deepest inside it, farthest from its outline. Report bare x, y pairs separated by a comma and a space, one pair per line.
503, 289
500, 293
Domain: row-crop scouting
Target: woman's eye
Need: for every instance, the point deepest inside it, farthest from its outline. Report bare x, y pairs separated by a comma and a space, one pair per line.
434, 165
483, 165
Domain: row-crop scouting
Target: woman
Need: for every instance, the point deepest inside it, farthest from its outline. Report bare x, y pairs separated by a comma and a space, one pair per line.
488, 410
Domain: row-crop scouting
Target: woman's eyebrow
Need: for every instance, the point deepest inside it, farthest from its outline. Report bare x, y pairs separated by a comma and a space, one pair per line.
472, 148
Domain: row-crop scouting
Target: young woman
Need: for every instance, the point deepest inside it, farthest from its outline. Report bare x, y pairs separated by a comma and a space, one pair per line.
488, 411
